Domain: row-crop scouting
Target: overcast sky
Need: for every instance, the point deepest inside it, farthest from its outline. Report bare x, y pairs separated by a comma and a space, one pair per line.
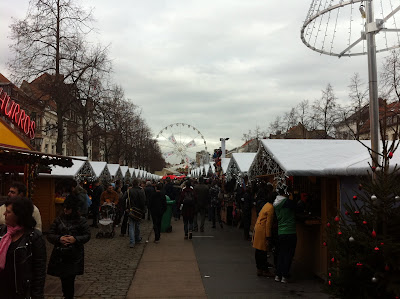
223, 66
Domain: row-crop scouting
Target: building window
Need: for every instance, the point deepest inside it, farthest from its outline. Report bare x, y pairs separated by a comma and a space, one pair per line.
46, 148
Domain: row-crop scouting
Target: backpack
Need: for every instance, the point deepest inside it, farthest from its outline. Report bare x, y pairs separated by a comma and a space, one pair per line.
188, 199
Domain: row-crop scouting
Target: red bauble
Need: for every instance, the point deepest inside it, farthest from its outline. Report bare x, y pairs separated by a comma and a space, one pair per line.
328, 224
382, 243
330, 274
356, 212
337, 218
355, 197
373, 168
373, 234
359, 265
347, 212
387, 268
339, 233
376, 248
330, 282
332, 259
390, 155
364, 222
324, 243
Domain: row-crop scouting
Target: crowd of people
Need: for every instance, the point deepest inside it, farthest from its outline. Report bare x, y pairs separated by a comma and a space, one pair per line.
22, 247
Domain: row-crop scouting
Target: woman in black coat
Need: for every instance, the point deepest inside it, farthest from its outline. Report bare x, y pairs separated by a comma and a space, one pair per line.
157, 206
187, 203
68, 233
22, 253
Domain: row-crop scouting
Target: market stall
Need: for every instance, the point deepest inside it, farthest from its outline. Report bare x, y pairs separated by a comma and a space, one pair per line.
101, 171
115, 172
321, 175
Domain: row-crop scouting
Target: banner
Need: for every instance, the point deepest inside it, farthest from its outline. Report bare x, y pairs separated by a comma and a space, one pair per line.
168, 154
172, 139
191, 144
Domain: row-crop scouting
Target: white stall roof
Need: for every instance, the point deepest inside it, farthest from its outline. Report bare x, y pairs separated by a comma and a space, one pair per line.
305, 157
113, 168
243, 160
212, 167
137, 172
67, 171
206, 167
124, 169
132, 171
98, 167
224, 164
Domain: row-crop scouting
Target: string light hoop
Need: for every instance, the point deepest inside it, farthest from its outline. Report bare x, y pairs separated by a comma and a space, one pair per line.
333, 27
181, 143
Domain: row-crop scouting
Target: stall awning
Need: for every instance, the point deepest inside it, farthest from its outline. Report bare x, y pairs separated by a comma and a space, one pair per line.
17, 157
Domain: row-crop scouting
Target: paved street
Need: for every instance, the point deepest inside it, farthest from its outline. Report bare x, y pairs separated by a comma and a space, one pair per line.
215, 264
227, 265
109, 267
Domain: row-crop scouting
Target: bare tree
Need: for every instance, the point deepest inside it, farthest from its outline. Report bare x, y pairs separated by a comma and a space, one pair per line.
51, 39
289, 119
303, 112
390, 76
357, 113
325, 111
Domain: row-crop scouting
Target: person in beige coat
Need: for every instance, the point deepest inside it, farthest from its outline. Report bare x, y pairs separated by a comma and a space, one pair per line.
261, 237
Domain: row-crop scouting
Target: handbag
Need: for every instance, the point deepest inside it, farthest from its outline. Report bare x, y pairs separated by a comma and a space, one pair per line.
133, 212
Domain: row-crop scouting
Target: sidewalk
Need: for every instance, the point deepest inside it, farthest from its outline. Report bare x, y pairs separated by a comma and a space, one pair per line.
168, 269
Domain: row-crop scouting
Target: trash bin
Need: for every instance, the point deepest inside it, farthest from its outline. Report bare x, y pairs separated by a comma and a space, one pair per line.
166, 218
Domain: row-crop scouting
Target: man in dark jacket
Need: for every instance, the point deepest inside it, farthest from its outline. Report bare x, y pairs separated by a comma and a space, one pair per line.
157, 205
203, 200
134, 197
149, 190
97, 191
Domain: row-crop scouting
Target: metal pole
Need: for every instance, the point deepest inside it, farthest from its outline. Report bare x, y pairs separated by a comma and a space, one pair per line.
223, 147
373, 85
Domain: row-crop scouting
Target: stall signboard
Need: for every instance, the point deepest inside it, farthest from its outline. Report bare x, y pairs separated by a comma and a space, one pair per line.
16, 115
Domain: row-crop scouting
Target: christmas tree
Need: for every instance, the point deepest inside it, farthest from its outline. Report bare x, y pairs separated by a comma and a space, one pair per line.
364, 240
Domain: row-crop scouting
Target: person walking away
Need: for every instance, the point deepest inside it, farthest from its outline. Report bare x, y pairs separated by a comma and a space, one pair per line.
134, 197
247, 205
119, 207
124, 224
97, 191
187, 203
157, 207
22, 252
202, 193
81, 194
18, 189
170, 192
149, 190
68, 233
216, 198
285, 212
261, 238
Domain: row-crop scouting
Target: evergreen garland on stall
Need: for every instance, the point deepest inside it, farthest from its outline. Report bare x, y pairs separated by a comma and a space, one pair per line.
364, 240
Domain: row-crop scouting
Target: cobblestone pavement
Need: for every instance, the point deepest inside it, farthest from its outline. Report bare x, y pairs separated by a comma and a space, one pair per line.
110, 266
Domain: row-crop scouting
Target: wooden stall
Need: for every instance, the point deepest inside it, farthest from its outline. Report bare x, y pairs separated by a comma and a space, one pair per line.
18, 162
314, 170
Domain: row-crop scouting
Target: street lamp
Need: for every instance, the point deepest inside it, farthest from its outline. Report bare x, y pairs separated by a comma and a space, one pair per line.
223, 146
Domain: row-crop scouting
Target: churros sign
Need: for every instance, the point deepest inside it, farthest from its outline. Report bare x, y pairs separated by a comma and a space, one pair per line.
15, 114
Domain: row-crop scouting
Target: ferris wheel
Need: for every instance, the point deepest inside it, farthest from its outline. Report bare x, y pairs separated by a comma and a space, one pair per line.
182, 143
